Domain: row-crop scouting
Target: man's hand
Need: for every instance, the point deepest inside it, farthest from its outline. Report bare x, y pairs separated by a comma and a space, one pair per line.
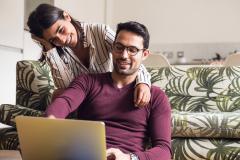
142, 95
57, 92
45, 44
117, 154
51, 117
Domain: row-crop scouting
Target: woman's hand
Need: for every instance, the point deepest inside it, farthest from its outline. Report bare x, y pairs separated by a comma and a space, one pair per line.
45, 44
142, 95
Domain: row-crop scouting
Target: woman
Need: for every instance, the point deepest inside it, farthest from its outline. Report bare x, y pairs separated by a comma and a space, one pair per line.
72, 48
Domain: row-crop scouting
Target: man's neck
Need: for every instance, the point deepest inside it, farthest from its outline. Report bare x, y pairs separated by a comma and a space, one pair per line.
121, 80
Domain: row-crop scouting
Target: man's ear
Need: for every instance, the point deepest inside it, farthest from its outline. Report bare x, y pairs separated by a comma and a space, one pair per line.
145, 54
66, 16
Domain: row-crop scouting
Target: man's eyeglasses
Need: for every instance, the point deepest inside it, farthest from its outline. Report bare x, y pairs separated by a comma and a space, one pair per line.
131, 50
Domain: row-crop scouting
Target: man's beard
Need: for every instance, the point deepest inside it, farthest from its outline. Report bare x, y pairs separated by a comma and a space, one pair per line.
122, 71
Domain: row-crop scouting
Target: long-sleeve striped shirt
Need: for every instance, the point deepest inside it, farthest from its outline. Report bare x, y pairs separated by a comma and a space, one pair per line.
99, 38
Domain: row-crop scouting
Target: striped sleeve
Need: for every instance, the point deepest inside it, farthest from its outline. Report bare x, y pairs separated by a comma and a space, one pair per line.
109, 37
143, 76
62, 75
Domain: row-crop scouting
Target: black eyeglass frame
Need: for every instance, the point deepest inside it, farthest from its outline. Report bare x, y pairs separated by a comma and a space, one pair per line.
128, 48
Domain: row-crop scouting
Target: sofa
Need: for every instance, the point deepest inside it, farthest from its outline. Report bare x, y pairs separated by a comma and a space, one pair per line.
205, 103
34, 88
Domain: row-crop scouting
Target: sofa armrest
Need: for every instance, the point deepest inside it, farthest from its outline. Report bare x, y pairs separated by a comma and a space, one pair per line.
9, 112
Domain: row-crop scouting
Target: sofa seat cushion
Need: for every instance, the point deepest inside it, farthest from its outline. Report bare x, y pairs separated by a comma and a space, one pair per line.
206, 124
205, 149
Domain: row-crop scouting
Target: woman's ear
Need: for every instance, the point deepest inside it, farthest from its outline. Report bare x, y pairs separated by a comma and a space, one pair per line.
66, 16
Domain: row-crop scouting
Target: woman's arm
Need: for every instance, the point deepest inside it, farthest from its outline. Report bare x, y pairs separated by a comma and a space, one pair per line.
143, 76
62, 75
142, 92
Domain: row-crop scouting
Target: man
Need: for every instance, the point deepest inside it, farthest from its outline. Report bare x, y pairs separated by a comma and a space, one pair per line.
108, 97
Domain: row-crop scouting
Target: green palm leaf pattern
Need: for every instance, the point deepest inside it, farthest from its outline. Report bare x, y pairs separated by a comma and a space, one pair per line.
222, 150
207, 78
206, 104
231, 71
46, 89
25, 79
183, 149
35, 84
205, 124
9, 112
8, 139
8, 136
234, 88
204, 149
232, 154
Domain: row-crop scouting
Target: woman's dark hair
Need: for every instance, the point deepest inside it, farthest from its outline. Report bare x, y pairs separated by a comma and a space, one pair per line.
136, 28
43, 17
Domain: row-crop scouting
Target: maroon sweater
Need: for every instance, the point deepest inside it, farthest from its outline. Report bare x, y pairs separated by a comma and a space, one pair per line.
95, 97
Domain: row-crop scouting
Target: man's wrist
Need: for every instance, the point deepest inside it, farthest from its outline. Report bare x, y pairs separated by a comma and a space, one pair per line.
133, 156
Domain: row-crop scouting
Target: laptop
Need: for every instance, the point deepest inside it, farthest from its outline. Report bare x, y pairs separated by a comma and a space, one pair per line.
61, 139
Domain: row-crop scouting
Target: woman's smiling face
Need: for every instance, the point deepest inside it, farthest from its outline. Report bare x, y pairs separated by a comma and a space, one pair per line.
62, 33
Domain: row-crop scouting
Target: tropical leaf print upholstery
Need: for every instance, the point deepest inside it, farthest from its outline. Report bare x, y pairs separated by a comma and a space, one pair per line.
200, 89
9, 112
34, 84
205, 105
205, 149
8, 136
206, 124
34, 91
8, 139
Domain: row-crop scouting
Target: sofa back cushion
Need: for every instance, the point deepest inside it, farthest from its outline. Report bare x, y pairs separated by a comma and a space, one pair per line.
34, 84
198, 88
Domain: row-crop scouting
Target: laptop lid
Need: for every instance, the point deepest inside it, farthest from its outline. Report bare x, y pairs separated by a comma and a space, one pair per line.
61, 139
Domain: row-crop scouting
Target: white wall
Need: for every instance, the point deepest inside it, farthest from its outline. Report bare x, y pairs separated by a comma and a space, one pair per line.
30, 5
11, 46
84, 10
8, 59
11, 28
200, 28
32, 51
184, 21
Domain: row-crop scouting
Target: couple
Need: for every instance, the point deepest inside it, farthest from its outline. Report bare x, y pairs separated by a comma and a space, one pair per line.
110, 97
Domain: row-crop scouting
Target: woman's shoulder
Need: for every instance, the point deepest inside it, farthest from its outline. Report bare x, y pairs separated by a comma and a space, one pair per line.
93, 25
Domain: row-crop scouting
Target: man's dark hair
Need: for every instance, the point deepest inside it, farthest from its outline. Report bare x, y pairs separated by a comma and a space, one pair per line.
136, 28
